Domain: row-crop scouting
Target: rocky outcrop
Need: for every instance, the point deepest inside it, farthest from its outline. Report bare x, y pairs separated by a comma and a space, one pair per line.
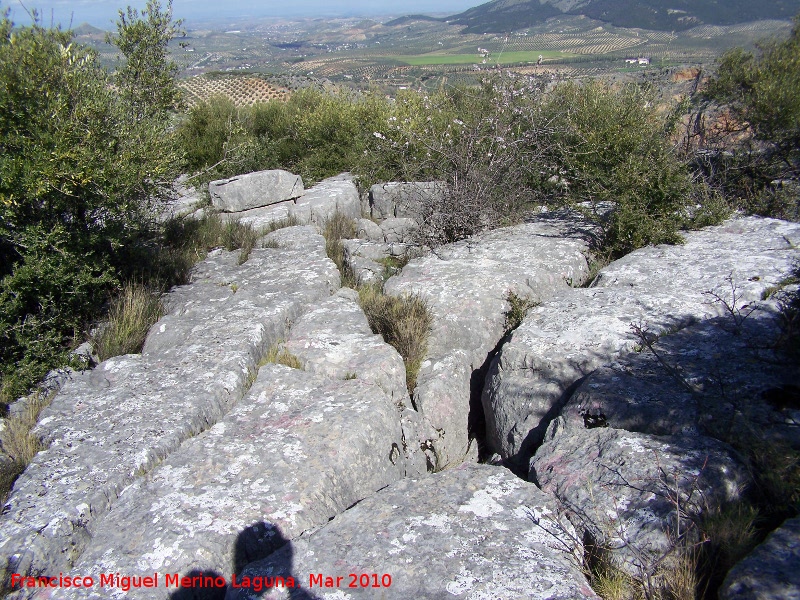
770, 572
298, 449
634, 493
470, 532
664, 287
315, 206
109, 426
335, 340
254, 190
465, 286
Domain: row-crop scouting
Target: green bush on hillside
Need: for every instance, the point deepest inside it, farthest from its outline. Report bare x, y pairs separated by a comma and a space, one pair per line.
315, 134
81, 162
762, 95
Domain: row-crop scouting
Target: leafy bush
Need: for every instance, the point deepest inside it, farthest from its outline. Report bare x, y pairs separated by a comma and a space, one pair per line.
81, 161
756, 156
314, 133
611, 147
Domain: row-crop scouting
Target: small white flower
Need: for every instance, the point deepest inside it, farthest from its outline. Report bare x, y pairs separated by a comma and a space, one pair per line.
378, 135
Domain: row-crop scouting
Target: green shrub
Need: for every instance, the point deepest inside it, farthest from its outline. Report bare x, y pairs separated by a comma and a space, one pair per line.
81, 161
611, 147
762, 145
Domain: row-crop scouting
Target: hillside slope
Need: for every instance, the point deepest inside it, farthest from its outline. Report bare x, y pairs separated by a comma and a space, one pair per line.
507, 15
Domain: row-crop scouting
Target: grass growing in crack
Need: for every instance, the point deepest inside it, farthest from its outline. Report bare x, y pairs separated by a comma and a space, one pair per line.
131, 315
404, 322
18, 442
340, 227
279, 355
518, 307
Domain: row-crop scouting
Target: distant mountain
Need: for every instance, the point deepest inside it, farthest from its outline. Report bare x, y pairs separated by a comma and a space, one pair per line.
410, 19
86, 29
501, 16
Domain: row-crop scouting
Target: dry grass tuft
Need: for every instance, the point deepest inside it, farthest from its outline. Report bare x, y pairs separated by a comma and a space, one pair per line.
279, 355
18, 442
132, 314
404, 322
339, 227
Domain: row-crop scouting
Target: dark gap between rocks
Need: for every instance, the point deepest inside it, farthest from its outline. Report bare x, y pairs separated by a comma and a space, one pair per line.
476, 422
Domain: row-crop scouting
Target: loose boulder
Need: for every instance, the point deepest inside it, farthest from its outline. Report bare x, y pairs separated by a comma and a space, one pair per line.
254, 190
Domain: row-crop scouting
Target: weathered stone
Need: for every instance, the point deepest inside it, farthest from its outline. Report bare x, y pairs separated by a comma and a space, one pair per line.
365, 270
401, 199
473, 532
622, 488
260, 218
334, 338
321, 202
770, 572
375, 251
369, 230
254, 190
466, 285
111, 424
577, 331
298, 449
716, 378
399, 230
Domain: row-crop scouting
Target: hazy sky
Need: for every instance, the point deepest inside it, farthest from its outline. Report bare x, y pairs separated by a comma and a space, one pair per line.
102, 13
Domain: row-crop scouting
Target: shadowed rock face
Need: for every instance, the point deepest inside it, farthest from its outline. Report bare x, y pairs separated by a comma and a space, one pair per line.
108, 426
471, 532
770, 572
465, 285
622, 488
577, 331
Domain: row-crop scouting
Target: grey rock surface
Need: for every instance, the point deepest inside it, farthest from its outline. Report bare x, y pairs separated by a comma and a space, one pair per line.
664, 287
334, 339
483, 534
401, 199
622, 488
466, 285
399, 229
298, 449
716, 378
769, 572
369, 230
108, 426
321, 202
260, 218
254, 190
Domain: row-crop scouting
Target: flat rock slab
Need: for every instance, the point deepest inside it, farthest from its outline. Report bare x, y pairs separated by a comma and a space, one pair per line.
664, 287
108, 426
769, 572
298, 449
483, 534
314, 207
465, 286
254, 190
622, 488
334, 339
